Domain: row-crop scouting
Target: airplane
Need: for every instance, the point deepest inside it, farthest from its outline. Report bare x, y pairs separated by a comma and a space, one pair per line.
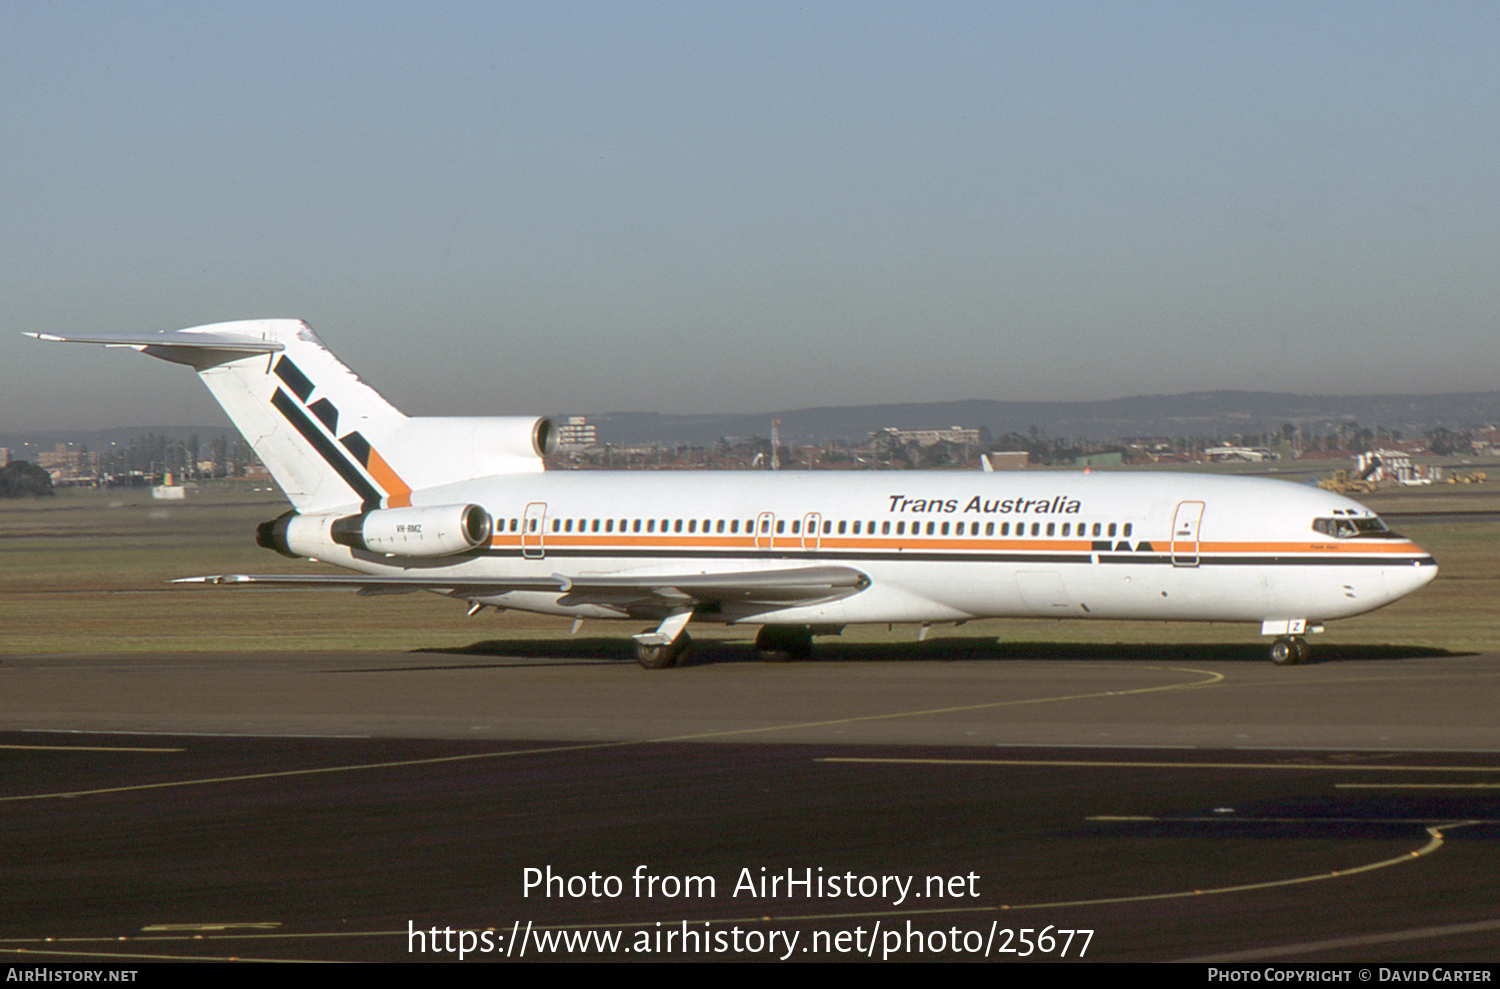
461, 506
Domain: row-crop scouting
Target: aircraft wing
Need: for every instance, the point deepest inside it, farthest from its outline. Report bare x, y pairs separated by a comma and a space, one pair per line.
791, 586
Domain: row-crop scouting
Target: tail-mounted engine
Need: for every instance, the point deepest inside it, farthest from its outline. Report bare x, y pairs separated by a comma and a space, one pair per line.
430, 531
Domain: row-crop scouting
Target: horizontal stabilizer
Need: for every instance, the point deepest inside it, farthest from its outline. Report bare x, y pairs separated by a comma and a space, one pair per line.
173, 339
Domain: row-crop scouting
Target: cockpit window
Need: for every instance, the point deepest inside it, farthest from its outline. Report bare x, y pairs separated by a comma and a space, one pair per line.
1369, 528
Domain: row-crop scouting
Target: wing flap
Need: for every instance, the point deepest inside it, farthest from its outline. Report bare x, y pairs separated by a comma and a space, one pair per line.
792, 586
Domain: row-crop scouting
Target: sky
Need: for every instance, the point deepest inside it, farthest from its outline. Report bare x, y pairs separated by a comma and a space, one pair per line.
560, 207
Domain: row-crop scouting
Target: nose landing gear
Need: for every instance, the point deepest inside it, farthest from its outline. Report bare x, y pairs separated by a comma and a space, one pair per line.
1289, 650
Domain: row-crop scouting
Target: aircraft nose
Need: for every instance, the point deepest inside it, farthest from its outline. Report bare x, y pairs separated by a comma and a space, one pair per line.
1411, 576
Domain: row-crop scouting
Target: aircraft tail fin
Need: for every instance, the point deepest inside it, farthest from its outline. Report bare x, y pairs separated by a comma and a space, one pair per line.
331, 440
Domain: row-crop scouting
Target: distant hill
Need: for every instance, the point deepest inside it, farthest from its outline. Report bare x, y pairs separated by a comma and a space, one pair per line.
1196, 414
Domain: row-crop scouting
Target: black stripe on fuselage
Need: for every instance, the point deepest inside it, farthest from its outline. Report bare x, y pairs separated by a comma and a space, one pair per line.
330, 453
919, 556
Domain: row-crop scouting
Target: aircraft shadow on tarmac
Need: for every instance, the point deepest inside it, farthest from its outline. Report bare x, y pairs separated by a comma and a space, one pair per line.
947, 650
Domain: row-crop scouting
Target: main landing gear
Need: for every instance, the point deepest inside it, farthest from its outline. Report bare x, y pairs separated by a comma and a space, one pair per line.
783, 643
1289, 650
667, 644
659, 657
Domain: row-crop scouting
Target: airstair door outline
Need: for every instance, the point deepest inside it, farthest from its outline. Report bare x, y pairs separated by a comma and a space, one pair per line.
1185, 525
532, 528
764, 523
812, 524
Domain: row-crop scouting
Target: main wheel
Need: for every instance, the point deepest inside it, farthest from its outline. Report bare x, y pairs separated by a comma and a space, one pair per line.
661, 657
783, 643
1284, 651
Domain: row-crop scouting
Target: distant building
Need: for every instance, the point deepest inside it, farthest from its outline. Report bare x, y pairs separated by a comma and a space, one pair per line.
576, 433
957, 435
1249, 454
62, 457
66, 464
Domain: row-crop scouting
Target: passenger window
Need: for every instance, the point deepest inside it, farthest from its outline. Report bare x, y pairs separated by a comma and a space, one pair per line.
796, 527
692, 525
734, 526
721, 525
1126, 533
945, 528
885, 528
1036, 528
1051, 528
651, 525
900, 528
1111, 530
989, 528
556, 523
780, 526
856, 529
1097, 530
678, 526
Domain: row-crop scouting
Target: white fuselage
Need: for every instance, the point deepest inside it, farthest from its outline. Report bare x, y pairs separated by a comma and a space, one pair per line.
937, 546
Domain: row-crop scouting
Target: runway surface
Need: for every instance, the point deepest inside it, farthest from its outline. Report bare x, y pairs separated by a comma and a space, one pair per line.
950, 801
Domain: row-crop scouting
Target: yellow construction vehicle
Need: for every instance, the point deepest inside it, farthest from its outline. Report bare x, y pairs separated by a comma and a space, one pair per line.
1346, 482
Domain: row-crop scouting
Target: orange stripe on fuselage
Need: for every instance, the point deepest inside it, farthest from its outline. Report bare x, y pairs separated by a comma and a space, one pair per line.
790, 543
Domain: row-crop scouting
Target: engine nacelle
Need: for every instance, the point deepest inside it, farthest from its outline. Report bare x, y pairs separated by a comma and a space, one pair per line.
441, 530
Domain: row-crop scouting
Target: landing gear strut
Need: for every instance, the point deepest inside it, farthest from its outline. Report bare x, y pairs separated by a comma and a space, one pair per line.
783, 643
667, 644
1289, 650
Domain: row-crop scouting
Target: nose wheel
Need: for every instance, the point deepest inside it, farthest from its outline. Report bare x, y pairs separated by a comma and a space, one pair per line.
1289, 650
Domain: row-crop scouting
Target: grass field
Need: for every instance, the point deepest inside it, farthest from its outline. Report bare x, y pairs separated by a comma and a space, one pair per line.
88, 572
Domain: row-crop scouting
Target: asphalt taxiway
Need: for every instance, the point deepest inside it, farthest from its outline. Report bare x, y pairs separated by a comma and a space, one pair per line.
1178, 802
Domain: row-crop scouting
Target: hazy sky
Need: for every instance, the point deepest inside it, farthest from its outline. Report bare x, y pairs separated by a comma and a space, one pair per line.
551, 207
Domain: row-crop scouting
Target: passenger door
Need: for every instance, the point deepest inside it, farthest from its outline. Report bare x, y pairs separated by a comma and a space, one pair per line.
1185, 533
532, 529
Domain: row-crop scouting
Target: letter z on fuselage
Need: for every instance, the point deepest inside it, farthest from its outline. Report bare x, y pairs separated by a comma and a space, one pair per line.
462, 507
